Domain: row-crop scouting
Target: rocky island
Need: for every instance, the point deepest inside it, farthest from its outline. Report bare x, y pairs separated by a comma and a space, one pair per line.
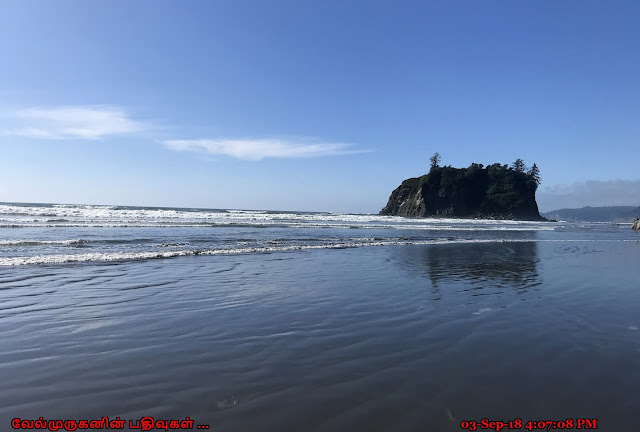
492, 192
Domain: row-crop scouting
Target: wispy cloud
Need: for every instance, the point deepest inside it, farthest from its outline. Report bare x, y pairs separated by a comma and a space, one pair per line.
590, 193
258, 149
72, 122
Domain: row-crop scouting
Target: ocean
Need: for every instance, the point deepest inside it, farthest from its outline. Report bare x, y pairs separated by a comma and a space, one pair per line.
294, 321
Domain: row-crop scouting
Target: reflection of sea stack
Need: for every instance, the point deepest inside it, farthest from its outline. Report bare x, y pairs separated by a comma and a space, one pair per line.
636, 224
504, 264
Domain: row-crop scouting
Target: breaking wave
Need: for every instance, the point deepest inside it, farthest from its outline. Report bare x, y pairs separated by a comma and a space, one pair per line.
72, 242
137, 256
88, 216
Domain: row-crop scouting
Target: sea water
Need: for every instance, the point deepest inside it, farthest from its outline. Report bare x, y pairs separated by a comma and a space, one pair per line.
293, 321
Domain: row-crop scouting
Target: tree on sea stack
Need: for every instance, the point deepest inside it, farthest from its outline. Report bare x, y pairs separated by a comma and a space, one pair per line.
519, 165
534, 173
435, 160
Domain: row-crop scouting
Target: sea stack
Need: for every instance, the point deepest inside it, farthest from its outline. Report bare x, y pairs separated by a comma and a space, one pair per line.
493, 192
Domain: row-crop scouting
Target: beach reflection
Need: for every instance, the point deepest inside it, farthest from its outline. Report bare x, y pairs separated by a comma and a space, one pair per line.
484, 265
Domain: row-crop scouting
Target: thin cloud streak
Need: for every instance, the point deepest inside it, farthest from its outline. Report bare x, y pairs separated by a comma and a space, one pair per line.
72, 122
258, 149
590, 193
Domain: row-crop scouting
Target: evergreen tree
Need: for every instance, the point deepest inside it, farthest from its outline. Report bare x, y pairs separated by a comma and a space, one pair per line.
435, 160
534, 173
519, 165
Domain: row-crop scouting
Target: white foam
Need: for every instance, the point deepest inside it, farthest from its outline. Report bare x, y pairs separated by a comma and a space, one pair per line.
482, 311
132, 256
110, 216
40, 242
265, 224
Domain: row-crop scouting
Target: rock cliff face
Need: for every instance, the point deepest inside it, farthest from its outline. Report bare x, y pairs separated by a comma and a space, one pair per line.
494, 192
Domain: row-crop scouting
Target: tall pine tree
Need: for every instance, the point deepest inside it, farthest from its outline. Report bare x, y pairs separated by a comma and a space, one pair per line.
534, 173
519, 165
435, 160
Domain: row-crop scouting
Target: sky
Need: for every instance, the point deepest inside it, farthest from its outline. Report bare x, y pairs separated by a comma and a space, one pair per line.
313, 105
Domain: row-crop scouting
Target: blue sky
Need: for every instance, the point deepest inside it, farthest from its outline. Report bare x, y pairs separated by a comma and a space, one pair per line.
313, 105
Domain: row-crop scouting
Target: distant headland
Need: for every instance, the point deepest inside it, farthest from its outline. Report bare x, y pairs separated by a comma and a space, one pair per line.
492, 192
596, 214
